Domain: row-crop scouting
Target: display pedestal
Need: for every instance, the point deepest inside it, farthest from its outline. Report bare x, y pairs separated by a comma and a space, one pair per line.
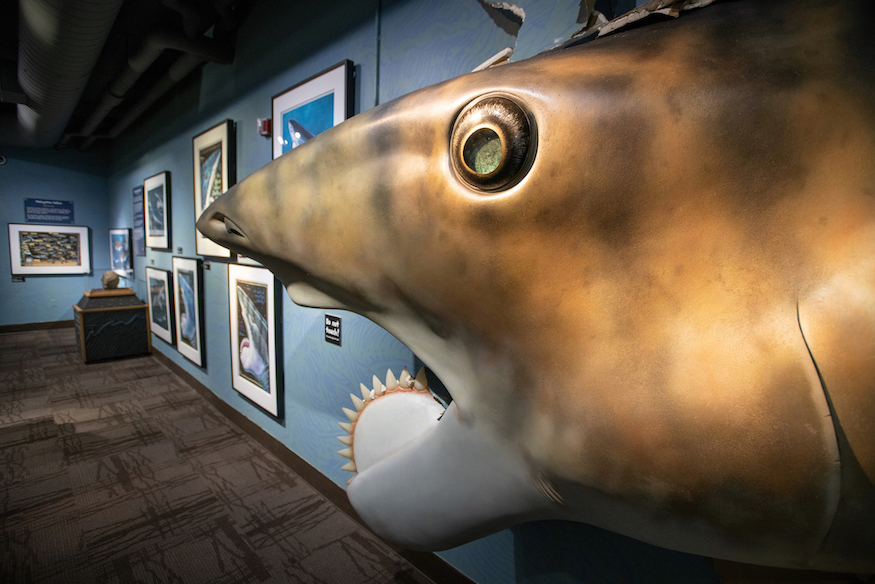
111, 324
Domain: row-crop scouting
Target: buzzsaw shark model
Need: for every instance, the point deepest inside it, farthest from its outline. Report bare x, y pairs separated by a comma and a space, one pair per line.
644, 267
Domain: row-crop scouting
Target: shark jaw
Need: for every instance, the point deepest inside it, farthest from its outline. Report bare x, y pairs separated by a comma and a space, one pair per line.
387, 418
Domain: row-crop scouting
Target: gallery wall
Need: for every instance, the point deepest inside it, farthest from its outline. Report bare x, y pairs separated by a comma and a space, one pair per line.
397, 47
47, 174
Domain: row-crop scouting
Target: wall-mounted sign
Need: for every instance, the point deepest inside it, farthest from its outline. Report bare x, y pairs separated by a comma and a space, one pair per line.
48, 211
139, 237
332, 329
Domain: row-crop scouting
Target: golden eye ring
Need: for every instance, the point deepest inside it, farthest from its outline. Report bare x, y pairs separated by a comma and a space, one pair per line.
493, 142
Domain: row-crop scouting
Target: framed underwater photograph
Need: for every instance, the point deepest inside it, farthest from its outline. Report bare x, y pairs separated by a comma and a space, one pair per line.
156, 206
49, 249
311, 107
254, 365
215, 171
188, 309
120, 257
161, 314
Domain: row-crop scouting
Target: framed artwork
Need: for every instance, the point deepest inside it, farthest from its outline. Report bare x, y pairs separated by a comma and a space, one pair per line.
188, 309
157, 210
254, 365
312, 106
49, 249
215, 171
120, 256
161, 312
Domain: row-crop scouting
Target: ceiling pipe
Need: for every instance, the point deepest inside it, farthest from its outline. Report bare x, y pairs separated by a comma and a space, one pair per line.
155, 43
223, 33
227, 19
192, 19
176, 73
59, 43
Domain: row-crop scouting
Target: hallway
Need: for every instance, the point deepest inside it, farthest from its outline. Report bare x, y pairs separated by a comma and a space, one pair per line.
121, 472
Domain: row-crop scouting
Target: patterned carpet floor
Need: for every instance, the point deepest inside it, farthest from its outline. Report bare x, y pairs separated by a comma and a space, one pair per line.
120, 472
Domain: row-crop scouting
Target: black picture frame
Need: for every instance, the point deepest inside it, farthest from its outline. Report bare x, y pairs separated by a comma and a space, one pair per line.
256, 290
188, 308
157, 211
310, 95
214, 157
159, 293
121, 256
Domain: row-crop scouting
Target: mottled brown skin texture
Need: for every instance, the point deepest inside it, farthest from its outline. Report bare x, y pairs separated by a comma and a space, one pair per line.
673, 312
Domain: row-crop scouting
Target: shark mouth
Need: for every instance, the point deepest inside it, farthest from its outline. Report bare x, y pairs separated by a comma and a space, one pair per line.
387, 418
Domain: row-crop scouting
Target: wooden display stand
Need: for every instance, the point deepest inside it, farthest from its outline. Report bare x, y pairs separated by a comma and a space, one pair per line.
111, 324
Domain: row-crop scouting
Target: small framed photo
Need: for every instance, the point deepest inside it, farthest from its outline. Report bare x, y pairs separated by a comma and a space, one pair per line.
161, 303
311, 107
49, 249
157, 209
120, 251
254, 314
215, 170
188, 309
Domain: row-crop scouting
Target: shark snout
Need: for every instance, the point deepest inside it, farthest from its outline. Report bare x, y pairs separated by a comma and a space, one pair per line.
216, 224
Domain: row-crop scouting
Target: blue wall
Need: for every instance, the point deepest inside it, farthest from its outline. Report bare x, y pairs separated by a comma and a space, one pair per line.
420, 42
30, 174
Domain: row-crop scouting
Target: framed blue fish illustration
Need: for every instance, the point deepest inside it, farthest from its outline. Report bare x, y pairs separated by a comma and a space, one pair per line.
156, 205
120, 257
188, 309
254, 314
215, 171
312, 106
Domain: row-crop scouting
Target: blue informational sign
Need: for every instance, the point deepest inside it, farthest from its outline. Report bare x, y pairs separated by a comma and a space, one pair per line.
139, 234
48, 211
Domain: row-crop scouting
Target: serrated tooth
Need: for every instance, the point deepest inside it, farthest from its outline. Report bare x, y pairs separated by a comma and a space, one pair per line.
421, 381
346, 453
405, 379
357, 402
379, 388
350, 466
366, 393
346, 427
391, 382
345, 440
353, 416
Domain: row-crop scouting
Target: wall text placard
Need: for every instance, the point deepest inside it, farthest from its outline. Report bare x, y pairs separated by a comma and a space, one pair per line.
48, 211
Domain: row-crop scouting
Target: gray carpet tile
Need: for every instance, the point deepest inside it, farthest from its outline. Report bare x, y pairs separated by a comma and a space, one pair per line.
120, 472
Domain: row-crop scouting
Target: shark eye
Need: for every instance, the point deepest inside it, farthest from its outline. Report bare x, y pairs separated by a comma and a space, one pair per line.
492, 143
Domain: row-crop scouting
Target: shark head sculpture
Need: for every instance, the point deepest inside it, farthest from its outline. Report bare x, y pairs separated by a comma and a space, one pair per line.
642, 266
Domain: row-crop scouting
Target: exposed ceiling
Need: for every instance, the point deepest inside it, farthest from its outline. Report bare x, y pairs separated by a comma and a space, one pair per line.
77, 72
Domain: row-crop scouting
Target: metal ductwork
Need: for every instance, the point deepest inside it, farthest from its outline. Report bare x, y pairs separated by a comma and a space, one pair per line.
177, 72
218, 49
192, 18
59, 43
156, 42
